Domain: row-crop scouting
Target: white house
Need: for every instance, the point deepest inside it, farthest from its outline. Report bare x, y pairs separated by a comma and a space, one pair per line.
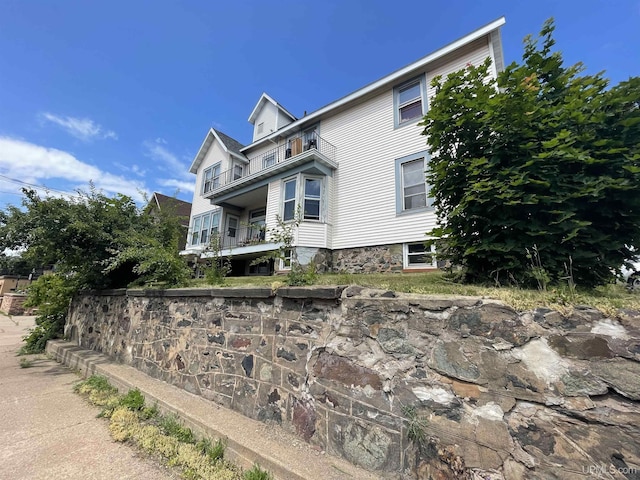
352, 170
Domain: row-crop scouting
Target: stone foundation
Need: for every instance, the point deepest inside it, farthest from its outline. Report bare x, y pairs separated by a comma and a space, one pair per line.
409, 386
377, 259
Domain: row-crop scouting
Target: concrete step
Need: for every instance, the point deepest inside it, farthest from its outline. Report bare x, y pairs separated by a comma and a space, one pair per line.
286, 456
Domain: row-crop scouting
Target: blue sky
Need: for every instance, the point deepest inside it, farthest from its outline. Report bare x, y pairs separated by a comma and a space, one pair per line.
122, 93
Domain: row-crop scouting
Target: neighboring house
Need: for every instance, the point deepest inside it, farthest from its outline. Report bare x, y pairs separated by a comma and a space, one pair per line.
354, 170
174, 206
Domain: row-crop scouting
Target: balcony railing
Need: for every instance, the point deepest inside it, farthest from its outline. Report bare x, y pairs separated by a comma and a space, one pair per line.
238, 237
294, 147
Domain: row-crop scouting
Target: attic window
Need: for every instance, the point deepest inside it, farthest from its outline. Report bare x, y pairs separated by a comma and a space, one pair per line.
260, 127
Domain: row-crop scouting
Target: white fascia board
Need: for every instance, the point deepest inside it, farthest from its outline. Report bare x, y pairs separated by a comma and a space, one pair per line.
266, 98
393, 77
263, 98
202, 151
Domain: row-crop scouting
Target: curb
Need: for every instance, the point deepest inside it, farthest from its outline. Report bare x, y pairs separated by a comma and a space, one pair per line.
205, 418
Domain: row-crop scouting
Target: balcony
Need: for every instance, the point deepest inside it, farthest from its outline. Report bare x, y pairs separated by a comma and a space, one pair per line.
297, 151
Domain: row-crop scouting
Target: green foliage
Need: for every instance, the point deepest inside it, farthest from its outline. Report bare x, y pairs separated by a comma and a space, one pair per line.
543, 156
416, 425
97, 383
301, 275
283, 234
213, 450
94, 241
51, 294
16, 265
170, 425
217, 267
25, 363
256, 473
133, 400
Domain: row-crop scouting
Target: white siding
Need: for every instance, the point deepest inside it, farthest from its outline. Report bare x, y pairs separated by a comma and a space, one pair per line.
475, 54
200, 205
364, 209
266, 116
312, 234
273, 205
216, 154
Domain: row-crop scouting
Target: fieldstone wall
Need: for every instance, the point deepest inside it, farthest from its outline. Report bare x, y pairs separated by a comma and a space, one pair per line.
410, 386
376, 259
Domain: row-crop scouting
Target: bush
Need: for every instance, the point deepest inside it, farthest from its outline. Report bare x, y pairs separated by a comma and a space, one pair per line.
51, 294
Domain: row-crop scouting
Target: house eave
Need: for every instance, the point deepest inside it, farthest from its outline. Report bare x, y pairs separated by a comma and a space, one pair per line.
383, 82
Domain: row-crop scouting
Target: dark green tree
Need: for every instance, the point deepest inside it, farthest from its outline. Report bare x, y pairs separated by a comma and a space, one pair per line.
93, 242
545, 159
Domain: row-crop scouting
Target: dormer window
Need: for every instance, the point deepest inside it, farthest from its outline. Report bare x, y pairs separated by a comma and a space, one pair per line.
260, 127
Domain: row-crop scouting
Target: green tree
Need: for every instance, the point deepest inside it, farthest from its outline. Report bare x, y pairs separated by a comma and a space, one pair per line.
94, 242
544, 157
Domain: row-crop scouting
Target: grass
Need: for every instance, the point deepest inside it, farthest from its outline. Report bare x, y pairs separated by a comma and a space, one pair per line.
26, 363
131, 420
608, 298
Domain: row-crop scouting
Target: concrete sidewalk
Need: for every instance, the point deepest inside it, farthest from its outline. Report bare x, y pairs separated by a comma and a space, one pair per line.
286, 456
49, 432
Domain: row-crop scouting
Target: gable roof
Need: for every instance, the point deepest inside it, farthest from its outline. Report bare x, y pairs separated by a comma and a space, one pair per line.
394, 77
228, 144
181, 208
264, 98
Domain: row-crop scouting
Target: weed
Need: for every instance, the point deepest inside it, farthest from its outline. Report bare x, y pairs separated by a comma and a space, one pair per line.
133, 400
147, 413
26, 363
95, 383
257, 473
214, 451
416, 428
202, 460
171, 426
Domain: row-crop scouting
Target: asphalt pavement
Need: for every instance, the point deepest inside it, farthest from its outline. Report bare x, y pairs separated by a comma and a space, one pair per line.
49, 432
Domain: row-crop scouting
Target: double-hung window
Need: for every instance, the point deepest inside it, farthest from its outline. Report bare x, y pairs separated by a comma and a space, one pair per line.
289, 200
409, 101
211, 178
237, 172
414, 188
412, 191
309, 196
312, 192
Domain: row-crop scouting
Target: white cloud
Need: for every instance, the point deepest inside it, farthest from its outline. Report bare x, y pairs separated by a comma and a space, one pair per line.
180, 185
82, 128
135, 169
33, 163
177, 169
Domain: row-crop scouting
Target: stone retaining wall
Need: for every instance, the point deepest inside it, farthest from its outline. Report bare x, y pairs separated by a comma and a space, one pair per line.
13, 304
410, 386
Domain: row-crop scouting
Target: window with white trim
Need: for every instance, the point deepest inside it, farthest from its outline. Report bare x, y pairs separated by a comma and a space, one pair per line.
203, 227
211, 178
260, 127
309, 197
412, 190
418, 255
312, 195
237, 172
285, 261
269, 160
409, 102
289, 200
